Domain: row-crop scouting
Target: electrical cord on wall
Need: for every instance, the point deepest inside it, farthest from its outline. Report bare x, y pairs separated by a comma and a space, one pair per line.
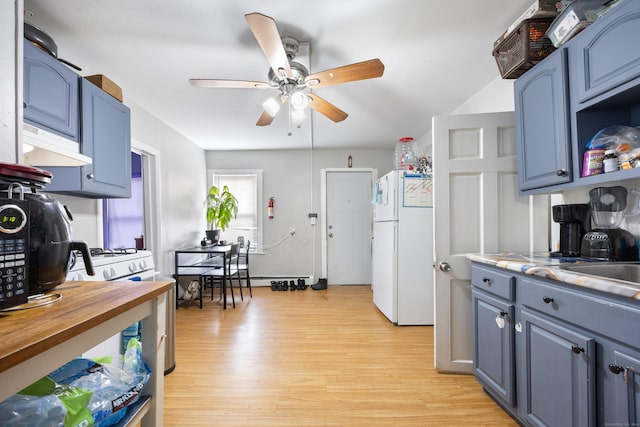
289, 235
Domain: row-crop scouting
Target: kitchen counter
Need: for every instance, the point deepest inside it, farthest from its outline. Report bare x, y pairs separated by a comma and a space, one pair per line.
41, 339
541, 265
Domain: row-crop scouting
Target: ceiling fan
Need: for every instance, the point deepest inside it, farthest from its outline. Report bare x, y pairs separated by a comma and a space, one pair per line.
291, 78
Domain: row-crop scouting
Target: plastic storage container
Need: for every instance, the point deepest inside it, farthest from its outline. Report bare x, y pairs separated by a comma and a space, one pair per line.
523, 48
406, 154
574, 18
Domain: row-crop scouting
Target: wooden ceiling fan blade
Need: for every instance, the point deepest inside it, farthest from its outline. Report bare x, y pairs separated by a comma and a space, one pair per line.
266, 118
265, 31
231, 84
348, 73
326, 108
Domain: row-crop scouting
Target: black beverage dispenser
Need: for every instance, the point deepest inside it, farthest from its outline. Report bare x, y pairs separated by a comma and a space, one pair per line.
575, 222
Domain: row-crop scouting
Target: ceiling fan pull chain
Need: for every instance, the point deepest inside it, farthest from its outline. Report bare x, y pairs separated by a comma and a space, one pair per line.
290, 130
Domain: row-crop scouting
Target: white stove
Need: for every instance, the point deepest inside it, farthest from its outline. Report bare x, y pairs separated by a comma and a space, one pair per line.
123, 264
115, 265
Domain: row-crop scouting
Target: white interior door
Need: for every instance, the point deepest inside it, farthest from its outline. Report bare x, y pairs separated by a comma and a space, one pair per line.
348, 226
477, 209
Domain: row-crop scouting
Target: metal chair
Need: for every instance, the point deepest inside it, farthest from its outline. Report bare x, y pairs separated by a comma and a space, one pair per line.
242, 269
219, 275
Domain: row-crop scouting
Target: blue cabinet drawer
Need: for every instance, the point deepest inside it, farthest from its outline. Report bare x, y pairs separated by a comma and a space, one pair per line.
494, 281
607, 54
607, 317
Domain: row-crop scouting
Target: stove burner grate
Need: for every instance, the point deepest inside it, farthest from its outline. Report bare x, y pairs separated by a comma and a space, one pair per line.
112, 252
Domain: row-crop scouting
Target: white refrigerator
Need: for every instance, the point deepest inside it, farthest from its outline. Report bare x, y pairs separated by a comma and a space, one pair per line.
402, 252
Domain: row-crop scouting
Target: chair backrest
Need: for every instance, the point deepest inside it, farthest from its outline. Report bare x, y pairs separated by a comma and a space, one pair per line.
243, 258
235, 249
232, 254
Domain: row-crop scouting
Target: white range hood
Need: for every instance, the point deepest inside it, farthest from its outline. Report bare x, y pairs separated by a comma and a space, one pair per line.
43, 148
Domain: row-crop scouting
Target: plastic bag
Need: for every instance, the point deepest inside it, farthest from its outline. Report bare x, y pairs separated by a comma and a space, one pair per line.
624, 139
47, 403
620, 138
81, 392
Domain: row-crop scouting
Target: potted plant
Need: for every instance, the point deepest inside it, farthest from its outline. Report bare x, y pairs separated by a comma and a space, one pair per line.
222, 206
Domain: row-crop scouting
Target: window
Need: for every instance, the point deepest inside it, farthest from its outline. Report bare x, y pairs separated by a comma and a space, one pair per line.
123, 219
246, 186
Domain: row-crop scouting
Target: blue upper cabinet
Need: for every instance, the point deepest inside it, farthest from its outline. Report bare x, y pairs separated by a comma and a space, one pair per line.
542, 124
106, 138
608, 54
591, 83
51, 96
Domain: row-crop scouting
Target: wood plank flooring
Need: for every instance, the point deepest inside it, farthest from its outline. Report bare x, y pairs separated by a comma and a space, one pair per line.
313, 358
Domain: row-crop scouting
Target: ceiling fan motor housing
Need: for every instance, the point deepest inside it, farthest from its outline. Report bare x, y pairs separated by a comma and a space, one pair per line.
298, 73
291, 46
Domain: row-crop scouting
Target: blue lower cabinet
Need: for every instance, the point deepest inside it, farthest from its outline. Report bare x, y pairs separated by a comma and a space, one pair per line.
553, 354
619, 385
494, 347
558, 372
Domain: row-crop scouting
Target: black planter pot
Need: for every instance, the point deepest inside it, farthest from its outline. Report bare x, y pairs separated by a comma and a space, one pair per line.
213, 235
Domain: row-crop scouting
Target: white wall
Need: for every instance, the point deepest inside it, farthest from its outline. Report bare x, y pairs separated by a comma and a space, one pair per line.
293, 178
495, 97
10, 115
182, 187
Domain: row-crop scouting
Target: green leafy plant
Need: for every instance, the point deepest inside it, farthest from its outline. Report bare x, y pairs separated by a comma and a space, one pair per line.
222, 206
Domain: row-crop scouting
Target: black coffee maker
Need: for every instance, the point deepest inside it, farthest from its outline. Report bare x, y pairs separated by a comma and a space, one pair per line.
607, 241
575, 222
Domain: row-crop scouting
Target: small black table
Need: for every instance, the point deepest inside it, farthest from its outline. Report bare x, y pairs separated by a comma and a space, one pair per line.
202, 266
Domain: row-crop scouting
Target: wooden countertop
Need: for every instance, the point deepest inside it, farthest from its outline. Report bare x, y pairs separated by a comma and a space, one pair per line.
84, 305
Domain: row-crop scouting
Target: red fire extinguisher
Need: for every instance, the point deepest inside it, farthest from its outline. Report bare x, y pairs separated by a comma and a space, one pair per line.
270, 207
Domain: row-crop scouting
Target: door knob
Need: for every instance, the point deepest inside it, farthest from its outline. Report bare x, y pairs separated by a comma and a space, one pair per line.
444, 266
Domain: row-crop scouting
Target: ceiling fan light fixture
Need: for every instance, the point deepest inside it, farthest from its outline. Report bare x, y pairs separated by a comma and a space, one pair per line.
271, 106
299, 101
297, 116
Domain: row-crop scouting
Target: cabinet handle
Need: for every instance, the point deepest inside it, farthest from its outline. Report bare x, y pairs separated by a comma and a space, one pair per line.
561, 172
90, 176
486, 280
503, 313
616, 369
547, 300
577, 349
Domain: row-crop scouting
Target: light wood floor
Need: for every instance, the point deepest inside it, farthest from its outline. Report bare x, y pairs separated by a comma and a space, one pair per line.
313, 358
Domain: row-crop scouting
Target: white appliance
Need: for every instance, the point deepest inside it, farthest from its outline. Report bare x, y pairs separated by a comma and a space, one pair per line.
402, 254
113, 264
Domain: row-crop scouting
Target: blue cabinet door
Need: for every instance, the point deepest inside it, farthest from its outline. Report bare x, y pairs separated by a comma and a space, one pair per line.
493, 345
619, 385
606, 54
106, 138
542, 124
51, 94
558, 366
